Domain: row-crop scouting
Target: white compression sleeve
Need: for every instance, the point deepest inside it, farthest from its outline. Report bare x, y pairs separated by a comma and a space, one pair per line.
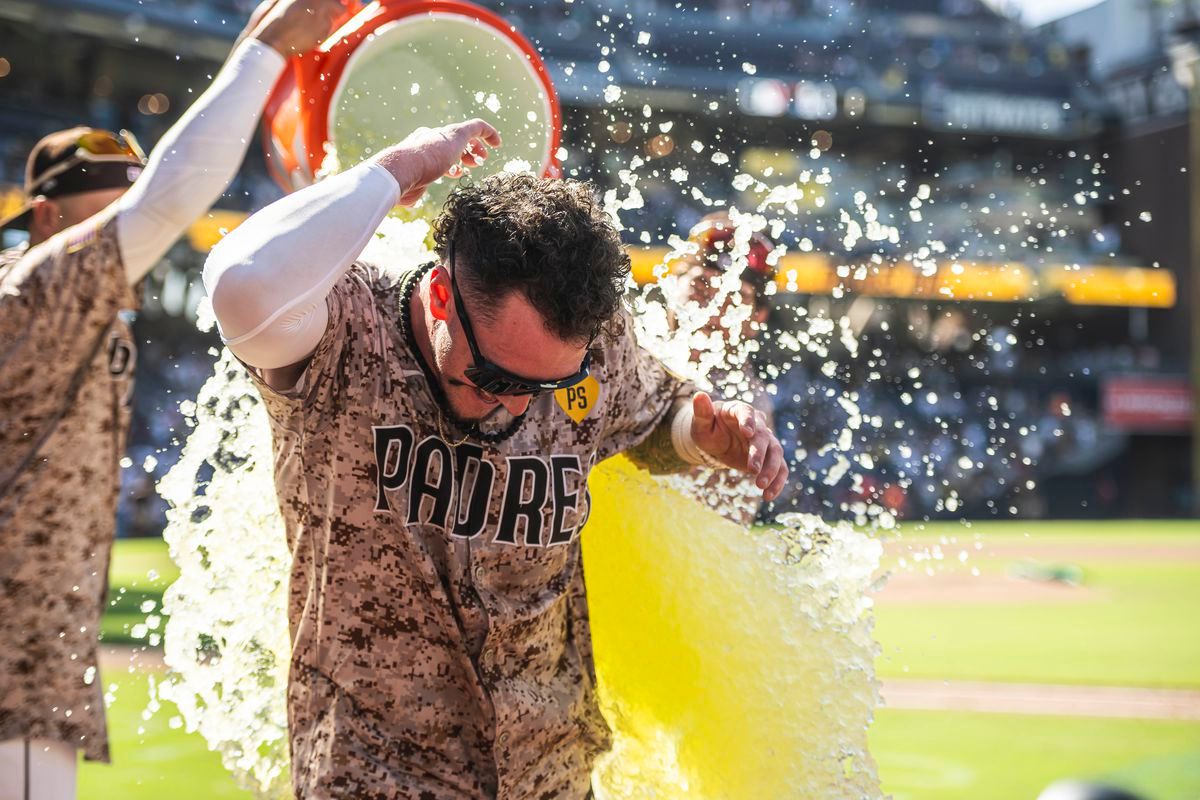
196, 159
269, 277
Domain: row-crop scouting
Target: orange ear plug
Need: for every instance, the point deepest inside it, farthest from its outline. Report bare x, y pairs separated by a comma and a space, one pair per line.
442, 296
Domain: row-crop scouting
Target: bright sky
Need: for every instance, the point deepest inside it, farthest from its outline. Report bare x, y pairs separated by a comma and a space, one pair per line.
1036, 12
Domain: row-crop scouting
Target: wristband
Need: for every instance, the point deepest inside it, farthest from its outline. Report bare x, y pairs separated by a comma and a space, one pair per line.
685, 445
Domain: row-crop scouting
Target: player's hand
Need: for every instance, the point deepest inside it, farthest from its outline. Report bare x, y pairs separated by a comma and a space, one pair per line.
738, 435
291, 27
427, 154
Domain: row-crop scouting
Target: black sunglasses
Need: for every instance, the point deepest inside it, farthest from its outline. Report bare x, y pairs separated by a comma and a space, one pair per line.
492, 378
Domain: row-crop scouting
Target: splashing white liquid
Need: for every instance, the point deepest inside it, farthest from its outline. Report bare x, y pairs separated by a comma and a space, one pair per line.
227, 641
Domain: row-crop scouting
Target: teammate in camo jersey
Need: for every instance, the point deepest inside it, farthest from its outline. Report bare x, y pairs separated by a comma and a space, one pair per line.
434, 428
700, 274
66, 370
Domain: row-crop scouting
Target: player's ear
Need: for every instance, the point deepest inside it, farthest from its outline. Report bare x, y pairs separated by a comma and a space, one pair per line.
439, 294
45, 219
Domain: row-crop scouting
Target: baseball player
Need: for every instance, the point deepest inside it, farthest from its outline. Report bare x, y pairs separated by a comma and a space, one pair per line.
434, 427
699, 274
99, 217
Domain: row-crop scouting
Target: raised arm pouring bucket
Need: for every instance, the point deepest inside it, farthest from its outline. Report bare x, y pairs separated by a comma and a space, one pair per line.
393, 67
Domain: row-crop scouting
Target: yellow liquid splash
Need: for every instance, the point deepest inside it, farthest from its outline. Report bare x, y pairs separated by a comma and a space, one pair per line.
732, 663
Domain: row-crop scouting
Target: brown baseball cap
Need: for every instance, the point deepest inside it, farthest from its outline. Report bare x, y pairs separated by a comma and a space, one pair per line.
78, 160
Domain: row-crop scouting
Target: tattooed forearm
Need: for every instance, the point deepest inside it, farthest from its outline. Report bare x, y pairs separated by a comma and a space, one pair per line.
657, 453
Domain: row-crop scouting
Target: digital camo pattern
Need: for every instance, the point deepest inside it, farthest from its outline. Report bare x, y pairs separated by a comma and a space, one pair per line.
66, 371
440, 638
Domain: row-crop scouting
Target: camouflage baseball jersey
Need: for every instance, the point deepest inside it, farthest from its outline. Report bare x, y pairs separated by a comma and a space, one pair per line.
438, 615
66, 370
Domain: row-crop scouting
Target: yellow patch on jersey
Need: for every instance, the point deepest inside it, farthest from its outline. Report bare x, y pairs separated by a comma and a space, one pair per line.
579, 400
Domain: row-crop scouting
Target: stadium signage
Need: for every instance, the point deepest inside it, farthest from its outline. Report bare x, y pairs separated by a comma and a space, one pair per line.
1147, 95
971, 281
986, 112
1148, 403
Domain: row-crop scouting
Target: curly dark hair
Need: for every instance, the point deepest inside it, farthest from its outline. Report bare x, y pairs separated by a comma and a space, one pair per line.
547, 238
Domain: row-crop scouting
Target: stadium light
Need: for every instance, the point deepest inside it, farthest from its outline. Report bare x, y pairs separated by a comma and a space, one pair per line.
764, 98
1185, 57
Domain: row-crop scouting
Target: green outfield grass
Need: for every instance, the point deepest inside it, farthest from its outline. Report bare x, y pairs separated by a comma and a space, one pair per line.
140, 571
1136, 626
1133, 621
921, 755
151, 759
925, 755
1066, 530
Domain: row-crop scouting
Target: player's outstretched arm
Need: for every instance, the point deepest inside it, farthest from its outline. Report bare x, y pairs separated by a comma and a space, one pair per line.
268, 279
198, 157
719, 435
734, 435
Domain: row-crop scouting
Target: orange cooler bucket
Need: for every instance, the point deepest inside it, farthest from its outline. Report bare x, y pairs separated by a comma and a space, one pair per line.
393, 67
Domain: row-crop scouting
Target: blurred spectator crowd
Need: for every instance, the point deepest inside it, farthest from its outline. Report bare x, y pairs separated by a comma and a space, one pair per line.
927, 425
993, 211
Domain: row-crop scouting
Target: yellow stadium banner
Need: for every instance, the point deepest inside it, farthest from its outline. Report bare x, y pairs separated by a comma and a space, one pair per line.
11, 200
1112, 286
205, 232
814, 273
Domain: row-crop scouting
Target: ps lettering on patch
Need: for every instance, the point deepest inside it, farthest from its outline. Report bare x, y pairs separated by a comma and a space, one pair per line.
579, 400
543, 502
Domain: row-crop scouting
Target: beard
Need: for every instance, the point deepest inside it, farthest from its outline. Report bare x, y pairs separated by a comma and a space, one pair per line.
492, 419
456, 395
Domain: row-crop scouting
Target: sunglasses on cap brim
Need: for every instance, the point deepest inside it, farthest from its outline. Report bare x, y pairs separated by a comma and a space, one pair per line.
95, 147
491, 378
